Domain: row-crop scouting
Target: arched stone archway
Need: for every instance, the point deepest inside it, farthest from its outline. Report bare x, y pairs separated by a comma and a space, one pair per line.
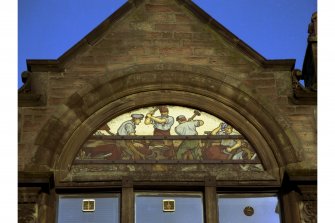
147, 85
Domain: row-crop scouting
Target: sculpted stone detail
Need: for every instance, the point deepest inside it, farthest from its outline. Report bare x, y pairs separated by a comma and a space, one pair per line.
27, 213
26, 79
312, 27
110, 169
296, 77
27, 204
164, 171
303, 93
308, 211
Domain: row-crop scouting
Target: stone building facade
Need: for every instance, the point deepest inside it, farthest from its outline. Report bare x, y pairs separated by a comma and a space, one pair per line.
152, 52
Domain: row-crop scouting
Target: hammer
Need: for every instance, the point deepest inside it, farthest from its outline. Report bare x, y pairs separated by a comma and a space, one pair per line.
153, 111
196, 113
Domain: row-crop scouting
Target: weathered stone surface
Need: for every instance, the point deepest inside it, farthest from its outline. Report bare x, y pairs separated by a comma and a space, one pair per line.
162, 51
27, 213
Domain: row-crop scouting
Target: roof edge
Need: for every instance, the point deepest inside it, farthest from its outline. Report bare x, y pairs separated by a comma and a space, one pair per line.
44, 66
57, 65
223, 31
280, 64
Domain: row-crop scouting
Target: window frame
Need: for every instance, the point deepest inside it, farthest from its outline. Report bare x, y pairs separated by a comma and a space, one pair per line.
89, 195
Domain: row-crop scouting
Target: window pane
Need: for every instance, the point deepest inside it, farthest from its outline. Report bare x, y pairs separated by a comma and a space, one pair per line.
106, 209
248, 209
188, 208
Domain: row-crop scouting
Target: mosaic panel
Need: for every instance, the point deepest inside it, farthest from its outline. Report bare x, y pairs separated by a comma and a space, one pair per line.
166, 134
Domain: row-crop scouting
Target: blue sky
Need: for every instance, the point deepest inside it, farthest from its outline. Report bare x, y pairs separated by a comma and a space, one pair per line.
277, 29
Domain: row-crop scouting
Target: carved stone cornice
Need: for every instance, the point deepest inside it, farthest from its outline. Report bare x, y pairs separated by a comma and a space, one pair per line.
308, 203
27, 213
35, 179
26, 97
28, 194
301, 95
308, 211
307, 95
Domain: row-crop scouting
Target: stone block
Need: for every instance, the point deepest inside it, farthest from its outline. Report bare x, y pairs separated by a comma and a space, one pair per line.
289, 110
178, 35
159, 35
268, 75
176, 51
302, 126
98, 52
138, 43
142, 26
85, 59
106, 43
117, 59
267, 92
178, 28
148, 59
136, 51
311, 158
56, 128
151, 50
159, 1
112, 51
195, 60
262, 83
151, 8
97, 68
228, 60
182, 18
199, 43
311, 148
120, 36
282, 100
61, 91
307, 136
202, 36
167, 35
166, 43
53, 101
307, 110
66, 82
28, 137
204, 51
300, 118
27, 212
162, 18
31, 126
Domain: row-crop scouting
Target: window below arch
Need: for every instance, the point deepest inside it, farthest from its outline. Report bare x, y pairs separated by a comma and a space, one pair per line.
248, 208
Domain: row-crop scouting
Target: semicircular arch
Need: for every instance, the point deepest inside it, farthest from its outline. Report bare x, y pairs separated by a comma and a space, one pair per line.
177, 84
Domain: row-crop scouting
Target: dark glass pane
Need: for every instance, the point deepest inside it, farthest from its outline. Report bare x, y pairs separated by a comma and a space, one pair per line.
188, 208
248, 209
70, 210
